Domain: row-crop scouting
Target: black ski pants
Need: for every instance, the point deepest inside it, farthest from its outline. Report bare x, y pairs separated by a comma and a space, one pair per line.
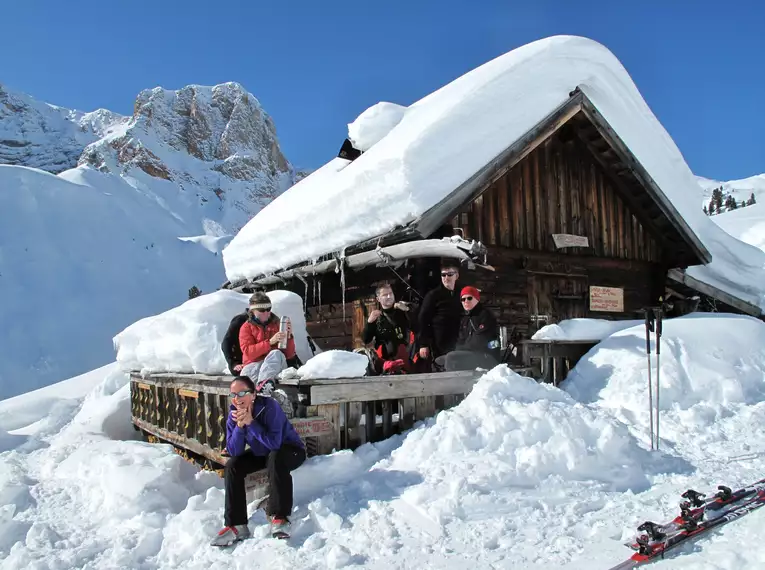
279, 464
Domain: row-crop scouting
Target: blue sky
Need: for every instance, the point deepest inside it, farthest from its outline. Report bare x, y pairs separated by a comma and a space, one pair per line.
315, 66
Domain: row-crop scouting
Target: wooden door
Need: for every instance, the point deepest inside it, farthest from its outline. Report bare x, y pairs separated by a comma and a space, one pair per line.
554, 298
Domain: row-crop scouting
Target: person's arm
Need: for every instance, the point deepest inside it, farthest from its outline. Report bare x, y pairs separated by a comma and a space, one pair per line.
369, 332
252, 350
267, 428
235, 436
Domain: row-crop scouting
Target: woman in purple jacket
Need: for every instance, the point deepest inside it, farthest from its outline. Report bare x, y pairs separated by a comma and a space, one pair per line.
274, 445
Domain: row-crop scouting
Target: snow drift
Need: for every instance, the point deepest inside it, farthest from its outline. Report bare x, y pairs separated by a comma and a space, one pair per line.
188, 338
518, 476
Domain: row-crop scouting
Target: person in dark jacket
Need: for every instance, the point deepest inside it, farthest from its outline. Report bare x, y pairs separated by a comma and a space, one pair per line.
232, 351
439, 317
274, 445
388, 327
477, 343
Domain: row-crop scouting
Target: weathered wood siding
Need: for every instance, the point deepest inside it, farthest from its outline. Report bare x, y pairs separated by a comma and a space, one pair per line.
558, 188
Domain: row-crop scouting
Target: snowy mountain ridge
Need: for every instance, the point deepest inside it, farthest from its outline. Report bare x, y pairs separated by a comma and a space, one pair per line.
44, 136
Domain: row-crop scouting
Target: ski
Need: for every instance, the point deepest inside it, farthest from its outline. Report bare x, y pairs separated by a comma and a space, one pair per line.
705, 515
692, 510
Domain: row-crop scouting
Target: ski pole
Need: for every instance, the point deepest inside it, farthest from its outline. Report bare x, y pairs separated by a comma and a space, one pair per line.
648, 319
658, 367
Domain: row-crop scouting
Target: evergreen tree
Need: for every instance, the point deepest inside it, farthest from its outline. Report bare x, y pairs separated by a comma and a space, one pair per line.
751, 200
717, 198
743, 203
730, 203
712, 206
194, 292
705, 210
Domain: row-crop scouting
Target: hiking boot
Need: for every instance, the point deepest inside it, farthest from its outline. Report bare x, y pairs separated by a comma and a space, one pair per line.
228, 535
280, 527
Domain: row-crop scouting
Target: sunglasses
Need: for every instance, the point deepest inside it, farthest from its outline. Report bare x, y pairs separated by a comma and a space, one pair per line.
260, 310
467, 298
240, 394
448, 274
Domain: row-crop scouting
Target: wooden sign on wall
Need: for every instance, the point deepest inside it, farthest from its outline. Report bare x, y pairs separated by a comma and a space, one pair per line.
609, 299
570, 240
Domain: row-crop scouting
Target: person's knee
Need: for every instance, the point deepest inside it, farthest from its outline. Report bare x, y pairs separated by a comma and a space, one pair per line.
232, 467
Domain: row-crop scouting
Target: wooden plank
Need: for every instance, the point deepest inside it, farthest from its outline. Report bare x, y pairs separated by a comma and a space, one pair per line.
406, 413
539, 203
328, 435
354, 434
551, 197
185, 393
478, 217
387, 417
518, 213
427, 377
503, 201
490, 215
561, 171
370, 420
528, 203
424, 407
381, 390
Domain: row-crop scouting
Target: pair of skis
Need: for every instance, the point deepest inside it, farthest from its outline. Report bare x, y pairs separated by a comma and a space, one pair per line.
698, 515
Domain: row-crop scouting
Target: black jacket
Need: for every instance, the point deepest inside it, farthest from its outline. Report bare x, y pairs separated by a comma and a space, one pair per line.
390, 330
478, 332
439, 320
230, 345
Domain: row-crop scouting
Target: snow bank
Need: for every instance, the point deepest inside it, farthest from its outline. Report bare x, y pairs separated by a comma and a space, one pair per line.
447, 136
187, 338
374, 124
518, 476
582, 329
513, 431
83, 255
335, 364
712, 367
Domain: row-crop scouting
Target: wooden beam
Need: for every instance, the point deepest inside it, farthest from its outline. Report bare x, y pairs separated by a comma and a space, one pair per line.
382, 388
647, 181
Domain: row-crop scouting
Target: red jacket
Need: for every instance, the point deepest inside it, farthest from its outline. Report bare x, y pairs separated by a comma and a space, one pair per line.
254, 339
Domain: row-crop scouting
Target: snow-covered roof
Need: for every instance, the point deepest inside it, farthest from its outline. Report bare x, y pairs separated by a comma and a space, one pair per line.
442, 140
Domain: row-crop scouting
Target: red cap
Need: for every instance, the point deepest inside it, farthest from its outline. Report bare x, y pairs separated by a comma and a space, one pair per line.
470, 291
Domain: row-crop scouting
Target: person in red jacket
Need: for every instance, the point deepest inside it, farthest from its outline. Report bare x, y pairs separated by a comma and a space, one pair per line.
259, 338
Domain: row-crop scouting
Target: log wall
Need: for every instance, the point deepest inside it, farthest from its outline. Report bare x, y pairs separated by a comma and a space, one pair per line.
558, 188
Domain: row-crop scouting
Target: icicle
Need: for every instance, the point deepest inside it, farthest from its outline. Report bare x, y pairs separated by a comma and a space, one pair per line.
342, 280
320, 292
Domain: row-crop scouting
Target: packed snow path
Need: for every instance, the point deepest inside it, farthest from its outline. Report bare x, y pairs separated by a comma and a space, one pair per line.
519, 475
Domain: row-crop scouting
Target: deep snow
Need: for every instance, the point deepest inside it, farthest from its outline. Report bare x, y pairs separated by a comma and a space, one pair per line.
519, 475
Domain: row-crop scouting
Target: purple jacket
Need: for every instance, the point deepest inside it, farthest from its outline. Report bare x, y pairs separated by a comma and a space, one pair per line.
268, 431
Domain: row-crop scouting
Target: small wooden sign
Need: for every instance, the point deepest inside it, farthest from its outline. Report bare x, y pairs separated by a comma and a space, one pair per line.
142, 386
610, 299
188, 393
312, 427
570, 240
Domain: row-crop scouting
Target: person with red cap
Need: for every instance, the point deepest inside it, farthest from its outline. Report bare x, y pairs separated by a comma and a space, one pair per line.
477, 342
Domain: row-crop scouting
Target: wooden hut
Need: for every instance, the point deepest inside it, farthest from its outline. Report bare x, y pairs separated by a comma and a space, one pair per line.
564, 223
